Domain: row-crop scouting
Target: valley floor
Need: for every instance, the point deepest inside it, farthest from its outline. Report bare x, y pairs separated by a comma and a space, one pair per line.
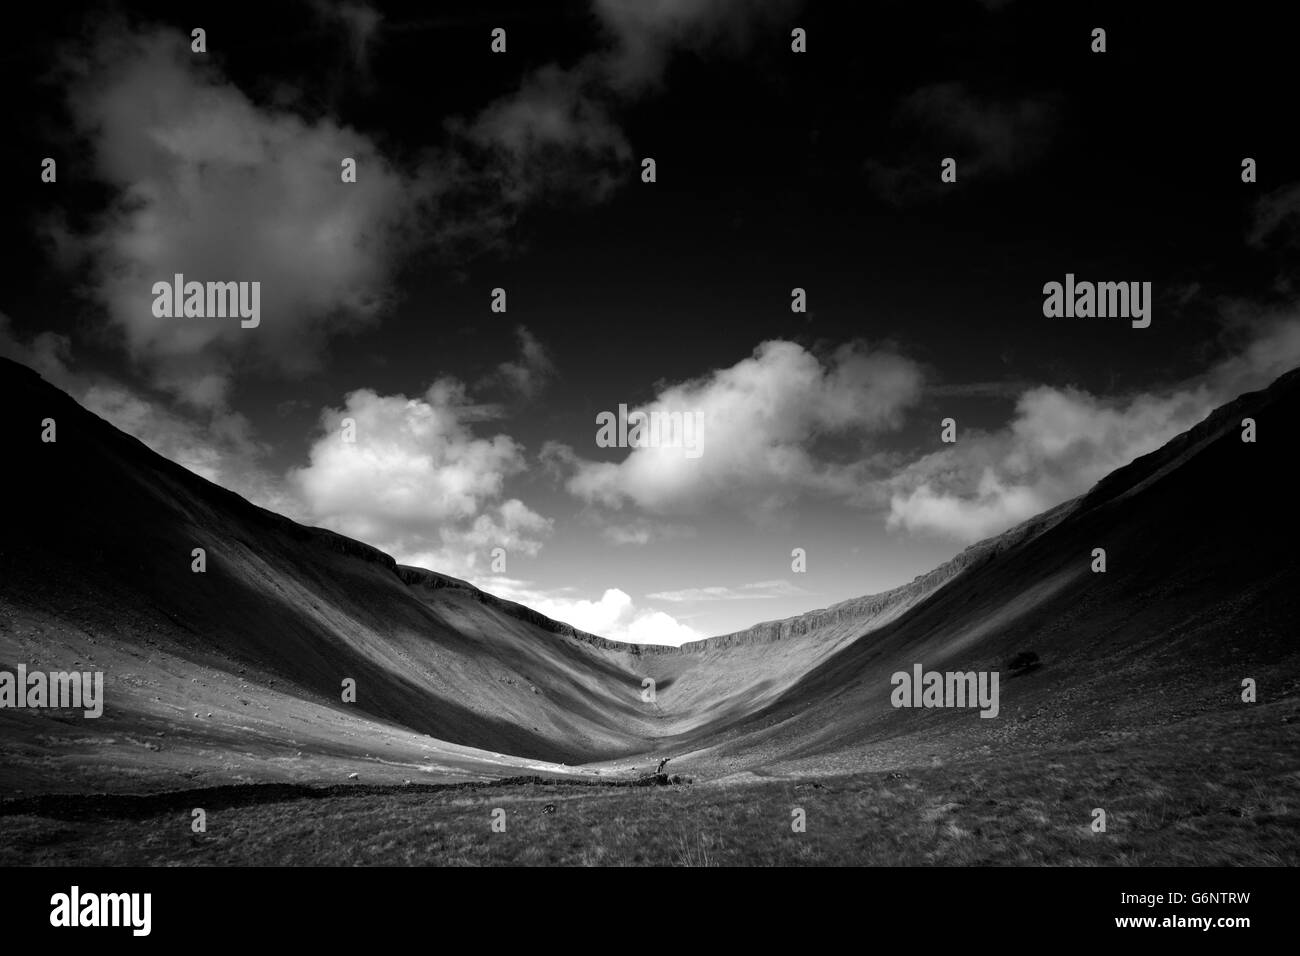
1221, 789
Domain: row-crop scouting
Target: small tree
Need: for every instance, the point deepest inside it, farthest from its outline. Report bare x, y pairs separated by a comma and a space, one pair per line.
1023, 663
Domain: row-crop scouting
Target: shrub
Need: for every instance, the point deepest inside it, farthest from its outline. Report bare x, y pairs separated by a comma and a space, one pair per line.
1023, 663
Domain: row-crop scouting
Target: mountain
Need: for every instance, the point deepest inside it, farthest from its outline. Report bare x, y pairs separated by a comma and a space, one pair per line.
1201, 591
236, 674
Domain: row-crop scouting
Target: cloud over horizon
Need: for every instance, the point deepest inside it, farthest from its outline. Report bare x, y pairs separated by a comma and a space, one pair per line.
761, 419
1063, 440
417, 481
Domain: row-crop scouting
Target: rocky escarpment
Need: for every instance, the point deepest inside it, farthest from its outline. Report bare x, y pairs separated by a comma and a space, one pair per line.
864, 612
875, 609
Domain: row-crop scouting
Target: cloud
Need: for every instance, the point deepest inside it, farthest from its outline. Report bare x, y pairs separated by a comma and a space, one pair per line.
212, 185
1001, 389
417, 482
614, 616
529, 374
215, 187
360, 23
641, 532
746, 592
987, 136
558, 135
1063, 440
1274, 213
218, 445
647, 32
48, 353
1002, 135
627, 534
554, 136
760, 420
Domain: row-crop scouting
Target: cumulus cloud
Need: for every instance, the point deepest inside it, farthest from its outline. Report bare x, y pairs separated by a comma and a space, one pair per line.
614, 616
217, 188
761, 420
417, 482
1063, 440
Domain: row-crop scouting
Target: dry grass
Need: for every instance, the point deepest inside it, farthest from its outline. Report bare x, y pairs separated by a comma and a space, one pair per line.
1215, 794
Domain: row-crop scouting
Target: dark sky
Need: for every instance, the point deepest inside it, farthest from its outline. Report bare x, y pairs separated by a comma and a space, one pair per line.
775, 170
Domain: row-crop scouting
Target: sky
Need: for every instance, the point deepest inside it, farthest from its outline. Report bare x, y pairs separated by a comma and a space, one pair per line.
821, 472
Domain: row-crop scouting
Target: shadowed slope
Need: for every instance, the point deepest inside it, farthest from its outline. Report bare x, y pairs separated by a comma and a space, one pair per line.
1201, 590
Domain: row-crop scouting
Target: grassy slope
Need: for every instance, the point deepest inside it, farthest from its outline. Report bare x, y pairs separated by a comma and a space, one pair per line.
1211, 790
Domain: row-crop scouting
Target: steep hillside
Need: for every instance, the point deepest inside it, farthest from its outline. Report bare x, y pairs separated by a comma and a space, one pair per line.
95, 565
1201, 591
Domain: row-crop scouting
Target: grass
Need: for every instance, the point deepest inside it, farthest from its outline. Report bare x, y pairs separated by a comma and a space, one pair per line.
1171, 798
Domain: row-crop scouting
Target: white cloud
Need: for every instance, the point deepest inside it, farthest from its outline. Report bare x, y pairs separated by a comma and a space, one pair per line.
760, 418
1063, 440
614, 616
215, 187
417, 482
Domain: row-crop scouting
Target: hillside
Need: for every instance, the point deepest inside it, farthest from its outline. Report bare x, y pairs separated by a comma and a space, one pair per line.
1201, 590
235, 674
